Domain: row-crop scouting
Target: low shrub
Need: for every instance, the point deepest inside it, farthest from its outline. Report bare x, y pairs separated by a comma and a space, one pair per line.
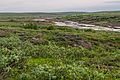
31, 26
65, 72
50, 28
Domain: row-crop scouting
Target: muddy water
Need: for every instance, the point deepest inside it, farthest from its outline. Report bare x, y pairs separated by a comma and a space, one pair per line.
84, 26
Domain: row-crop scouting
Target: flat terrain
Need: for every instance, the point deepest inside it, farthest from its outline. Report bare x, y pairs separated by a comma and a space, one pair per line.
107, 19
39, 50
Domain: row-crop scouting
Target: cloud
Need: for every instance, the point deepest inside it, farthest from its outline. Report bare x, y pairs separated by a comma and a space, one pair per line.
114, 1
55, 5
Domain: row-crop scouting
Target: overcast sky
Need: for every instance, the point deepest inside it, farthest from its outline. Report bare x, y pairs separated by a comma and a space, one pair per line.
58, 5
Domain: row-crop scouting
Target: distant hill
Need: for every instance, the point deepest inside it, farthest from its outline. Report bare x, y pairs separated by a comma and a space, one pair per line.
55, 14
37, 14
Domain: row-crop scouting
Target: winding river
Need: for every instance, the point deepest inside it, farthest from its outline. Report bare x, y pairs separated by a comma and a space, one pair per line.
85, 26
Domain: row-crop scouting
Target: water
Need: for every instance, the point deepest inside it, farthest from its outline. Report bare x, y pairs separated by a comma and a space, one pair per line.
84, 26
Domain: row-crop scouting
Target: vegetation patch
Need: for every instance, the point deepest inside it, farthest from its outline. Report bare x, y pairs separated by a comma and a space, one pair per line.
58, 53
97, 19
31, 26
38, 39
72, 40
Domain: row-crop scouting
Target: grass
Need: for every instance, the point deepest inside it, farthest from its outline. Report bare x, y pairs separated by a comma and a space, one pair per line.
58, 53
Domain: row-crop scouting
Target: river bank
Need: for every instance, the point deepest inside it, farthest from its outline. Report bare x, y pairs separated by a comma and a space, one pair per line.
85, 26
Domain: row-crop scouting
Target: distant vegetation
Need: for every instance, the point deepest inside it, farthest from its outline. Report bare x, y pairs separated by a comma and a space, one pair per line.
30, 26
42, 15
104, 19
41, 51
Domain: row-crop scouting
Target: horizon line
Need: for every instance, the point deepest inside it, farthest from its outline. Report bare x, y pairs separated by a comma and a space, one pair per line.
58, 11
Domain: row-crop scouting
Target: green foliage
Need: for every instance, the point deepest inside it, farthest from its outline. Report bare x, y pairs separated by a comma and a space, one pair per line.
98, 19
51, 28
23, 59
45, 52
65, 72
12, 20
31, 26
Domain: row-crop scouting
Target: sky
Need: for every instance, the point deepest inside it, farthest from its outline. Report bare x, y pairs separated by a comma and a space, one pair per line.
59, 5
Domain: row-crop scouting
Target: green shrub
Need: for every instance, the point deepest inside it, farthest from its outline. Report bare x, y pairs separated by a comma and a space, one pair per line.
89, 30
24, 76
31, 26
64, 72
50, 28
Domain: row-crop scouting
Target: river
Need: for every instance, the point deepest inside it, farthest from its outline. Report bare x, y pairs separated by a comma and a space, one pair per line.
85, 26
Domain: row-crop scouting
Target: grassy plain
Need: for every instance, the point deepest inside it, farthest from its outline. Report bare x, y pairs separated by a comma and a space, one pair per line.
41, 51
